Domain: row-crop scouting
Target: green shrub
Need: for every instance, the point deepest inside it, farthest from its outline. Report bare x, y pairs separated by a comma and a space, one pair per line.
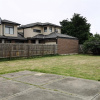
92, 45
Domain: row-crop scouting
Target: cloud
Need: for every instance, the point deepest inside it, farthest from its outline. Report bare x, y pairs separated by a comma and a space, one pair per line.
29, 11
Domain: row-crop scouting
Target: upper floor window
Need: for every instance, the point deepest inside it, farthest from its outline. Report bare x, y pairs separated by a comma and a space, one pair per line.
45, 29
50, 28
9, 29
56, 30
36, 30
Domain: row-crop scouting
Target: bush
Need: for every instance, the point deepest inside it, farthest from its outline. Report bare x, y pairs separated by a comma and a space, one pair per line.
92, 45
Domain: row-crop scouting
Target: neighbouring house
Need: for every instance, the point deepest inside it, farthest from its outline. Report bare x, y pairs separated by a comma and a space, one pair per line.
48, 33
37, 33
8, 32
35, 30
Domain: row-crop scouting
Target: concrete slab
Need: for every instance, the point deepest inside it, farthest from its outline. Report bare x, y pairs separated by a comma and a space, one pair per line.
8, 88
53, 87
97, 97
39, 79
2, 79
18, 74
85, 88
40, 94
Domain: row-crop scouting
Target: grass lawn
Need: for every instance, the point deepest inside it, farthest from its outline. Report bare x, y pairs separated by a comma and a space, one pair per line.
82, 66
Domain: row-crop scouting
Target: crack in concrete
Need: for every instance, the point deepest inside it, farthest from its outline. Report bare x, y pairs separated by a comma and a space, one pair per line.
18, 76
95, 96
53, 81
17, 94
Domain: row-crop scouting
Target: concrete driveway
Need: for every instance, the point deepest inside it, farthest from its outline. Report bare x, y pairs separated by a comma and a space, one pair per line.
27, 85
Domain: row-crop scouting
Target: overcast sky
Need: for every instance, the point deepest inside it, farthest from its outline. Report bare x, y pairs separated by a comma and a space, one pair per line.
53, 11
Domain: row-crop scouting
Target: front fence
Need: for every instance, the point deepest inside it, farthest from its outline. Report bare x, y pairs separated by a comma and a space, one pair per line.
9, 50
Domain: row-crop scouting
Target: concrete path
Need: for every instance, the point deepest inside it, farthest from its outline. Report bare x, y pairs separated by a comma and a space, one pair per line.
27, 85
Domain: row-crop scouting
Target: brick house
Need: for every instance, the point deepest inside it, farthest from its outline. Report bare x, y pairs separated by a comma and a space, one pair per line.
37, 33
66, 44
47, 33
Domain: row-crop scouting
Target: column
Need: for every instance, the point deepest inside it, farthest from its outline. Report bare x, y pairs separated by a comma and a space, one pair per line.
37, 41
3, 41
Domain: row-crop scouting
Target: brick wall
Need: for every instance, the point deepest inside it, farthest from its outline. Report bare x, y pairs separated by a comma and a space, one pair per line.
12, 41
29, 41
67, 46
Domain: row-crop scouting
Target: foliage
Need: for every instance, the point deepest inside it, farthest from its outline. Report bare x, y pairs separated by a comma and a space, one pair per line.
92, 45
77, 27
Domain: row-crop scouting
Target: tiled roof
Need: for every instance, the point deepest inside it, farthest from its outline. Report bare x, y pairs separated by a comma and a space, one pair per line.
2, 37
53, 35
10, 22
37, 24
19, 37
39, 36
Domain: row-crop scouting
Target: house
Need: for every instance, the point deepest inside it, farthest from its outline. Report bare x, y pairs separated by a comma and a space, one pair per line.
8, 32
48, 33
37, 33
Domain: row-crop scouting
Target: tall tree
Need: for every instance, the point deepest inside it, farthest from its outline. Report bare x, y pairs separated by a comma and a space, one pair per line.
77, 26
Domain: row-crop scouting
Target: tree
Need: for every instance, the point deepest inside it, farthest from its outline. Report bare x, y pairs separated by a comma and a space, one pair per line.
92, 45
77, 27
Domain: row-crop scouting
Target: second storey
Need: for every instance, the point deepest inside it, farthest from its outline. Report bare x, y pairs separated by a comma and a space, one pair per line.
8, 28
31, 30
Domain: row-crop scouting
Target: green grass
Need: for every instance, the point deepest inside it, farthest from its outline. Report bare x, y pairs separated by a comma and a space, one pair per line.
81, 66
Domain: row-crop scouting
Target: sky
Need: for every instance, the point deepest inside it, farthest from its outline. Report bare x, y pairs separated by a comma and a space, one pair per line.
53, 11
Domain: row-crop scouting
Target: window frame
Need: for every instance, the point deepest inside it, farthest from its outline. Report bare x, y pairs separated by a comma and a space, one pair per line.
56, 30
50, 29
9, 27
37, 30
45, 30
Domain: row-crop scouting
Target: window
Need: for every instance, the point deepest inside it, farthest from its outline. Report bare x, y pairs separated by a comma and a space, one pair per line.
45, 29
9, 29
50, 28
56, 30
36, 30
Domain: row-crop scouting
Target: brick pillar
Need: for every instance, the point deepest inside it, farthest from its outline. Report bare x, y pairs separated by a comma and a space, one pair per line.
29, 41
25, 42
12, 41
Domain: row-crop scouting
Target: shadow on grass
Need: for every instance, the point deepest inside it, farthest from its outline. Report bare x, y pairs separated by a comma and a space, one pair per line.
36, 57
23, 58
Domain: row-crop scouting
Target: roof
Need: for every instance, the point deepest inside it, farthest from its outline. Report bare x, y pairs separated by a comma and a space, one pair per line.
39, 36
19, 37
37, 24
10, 22
53, 35
2, 37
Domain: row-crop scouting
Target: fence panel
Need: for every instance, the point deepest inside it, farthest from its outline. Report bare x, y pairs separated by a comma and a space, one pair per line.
10, 50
